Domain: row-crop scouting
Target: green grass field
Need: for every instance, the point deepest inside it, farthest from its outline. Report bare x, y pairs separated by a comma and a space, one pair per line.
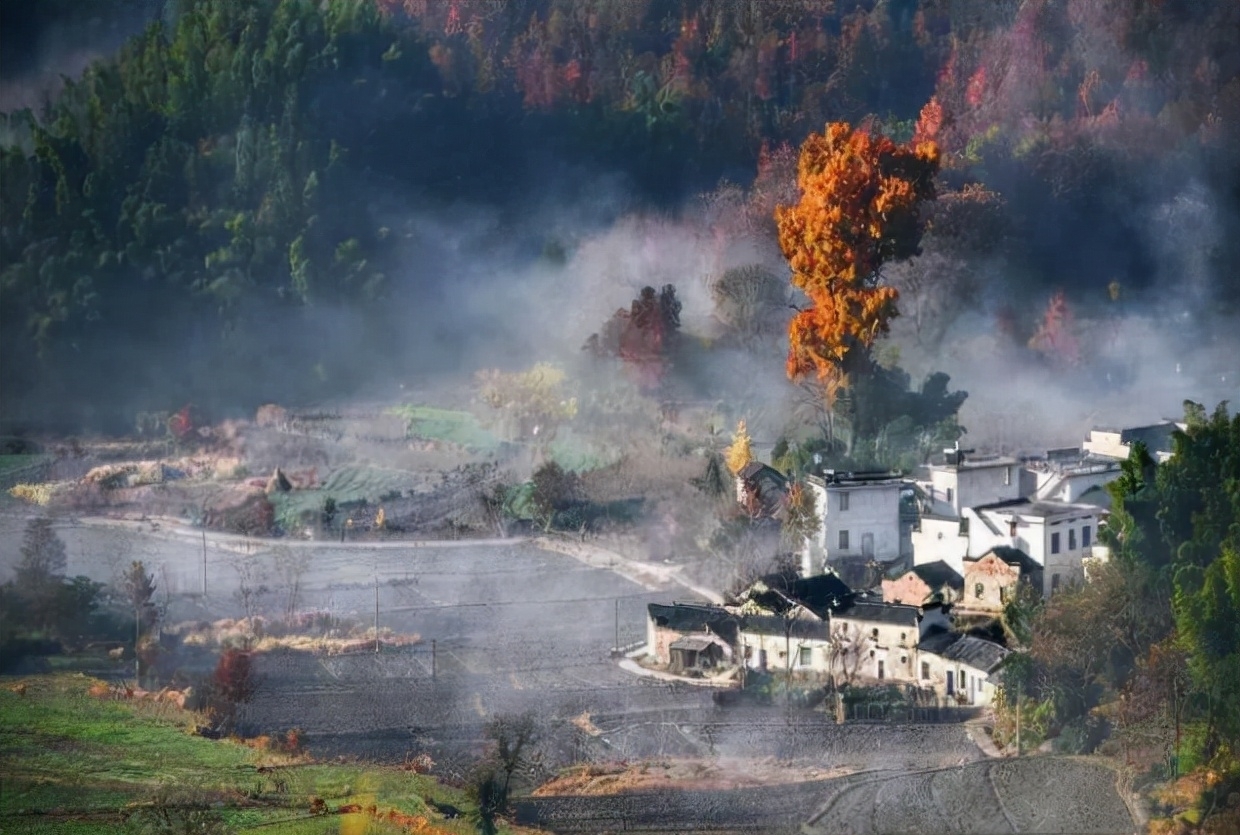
456, 427
71, 762
17, 462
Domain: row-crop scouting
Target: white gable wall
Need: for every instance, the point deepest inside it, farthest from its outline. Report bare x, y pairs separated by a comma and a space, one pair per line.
858, 519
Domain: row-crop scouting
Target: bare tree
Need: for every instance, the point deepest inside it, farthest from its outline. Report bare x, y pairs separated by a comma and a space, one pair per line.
251, 583
291, 566
845, 650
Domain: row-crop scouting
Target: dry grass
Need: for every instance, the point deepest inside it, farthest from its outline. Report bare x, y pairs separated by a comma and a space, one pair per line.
684, 774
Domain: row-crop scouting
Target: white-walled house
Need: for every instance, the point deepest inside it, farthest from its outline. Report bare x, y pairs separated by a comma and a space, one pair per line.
964, 480
767, 642
1117, 443
938, 538
1056, 536
883, 637
960, 668
859, 515
1065, 475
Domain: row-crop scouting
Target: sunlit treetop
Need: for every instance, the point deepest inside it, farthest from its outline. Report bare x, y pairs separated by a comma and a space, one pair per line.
859, 208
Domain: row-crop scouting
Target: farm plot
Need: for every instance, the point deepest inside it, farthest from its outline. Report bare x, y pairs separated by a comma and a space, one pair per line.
1029, 795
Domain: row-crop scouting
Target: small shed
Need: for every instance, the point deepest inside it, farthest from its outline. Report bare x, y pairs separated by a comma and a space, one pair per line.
697, 652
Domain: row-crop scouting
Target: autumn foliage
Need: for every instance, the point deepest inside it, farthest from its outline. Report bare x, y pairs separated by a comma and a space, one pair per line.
859, 208
642, 336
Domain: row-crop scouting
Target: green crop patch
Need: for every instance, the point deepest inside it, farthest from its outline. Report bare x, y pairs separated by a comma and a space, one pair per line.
78, 759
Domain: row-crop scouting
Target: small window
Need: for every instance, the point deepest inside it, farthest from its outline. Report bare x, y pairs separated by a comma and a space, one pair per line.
903, 659
1071, 539
964, 527
1054, 543
871, 653
874, 633
903, 636
949, 494
1012, 529
1004, 594
1007, 476
979, 590
1054, 582
843, 501
881, 671
804, 659
843, 540
1085, 536
925, 671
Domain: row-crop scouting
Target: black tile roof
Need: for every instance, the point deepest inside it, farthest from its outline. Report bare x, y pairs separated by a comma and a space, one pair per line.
977, 653
893, 613
692, 617
939, 573
1012, 556
802, 628
821, 594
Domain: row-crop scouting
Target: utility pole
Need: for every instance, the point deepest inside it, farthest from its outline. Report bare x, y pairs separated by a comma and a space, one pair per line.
204, 559
137, 636
1018, 701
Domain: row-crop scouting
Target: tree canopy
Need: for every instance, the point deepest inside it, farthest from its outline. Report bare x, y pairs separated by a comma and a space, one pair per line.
859, 208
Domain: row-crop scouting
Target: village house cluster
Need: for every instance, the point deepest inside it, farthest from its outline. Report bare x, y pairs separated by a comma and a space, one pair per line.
900, 566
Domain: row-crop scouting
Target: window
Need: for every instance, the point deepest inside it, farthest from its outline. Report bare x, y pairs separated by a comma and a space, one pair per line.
880, 670
843, 540
1054, 543
903, 637
871, 653
803, 658
925, 671
1012, 529
949, 494
964, 681
1004, 594
1007, 476
979, 590
1085, 532
1071, 539
903, 659
1054, 582
874, 633
964, 527
843, 501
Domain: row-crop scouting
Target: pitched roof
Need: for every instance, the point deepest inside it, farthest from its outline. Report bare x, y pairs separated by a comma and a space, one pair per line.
802, 628
756, 469
938, 574
978, 653
696, 643
893, 613
1011, 556
692, 617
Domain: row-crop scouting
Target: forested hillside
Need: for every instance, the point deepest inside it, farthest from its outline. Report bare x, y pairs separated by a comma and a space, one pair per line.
221, 211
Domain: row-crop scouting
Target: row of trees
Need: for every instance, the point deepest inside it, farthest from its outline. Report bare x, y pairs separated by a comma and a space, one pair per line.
213, 185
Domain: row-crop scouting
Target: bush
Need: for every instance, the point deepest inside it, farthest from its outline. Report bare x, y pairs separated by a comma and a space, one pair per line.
1081, 736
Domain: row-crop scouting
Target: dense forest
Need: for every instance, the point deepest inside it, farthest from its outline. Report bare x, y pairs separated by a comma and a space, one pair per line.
224, 211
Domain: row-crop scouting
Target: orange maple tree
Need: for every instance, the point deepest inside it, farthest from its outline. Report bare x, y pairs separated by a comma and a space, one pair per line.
859, 208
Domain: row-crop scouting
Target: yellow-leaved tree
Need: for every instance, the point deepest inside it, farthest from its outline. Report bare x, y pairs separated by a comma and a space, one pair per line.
740, 452
529, 404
